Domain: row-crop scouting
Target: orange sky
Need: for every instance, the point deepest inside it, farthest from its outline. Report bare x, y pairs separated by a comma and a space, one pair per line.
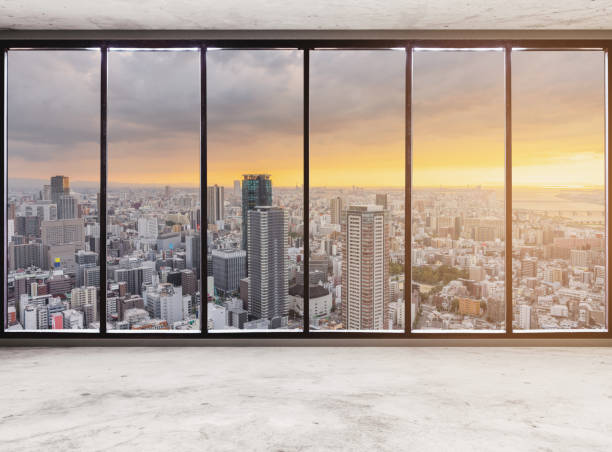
357, 122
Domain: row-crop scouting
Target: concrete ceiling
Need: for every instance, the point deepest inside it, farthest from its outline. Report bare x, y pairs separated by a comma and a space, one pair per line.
305, 14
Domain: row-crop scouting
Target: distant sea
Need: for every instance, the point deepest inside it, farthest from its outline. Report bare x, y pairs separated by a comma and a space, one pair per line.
558, 199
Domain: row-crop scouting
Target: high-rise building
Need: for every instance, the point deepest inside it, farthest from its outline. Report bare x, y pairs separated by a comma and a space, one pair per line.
80, 296
45, 211
192, 252
26, 255
383, 200
27, 226
91, 276
135, 278
215, 204
256, 191
189, 282
83, 260
45, 194
229, 267
61, 232
525, 317
268, 262
336, 206
529, 267
365, 264
147, 228
237, 188
90, 314
66, 207
166, 302
60, 185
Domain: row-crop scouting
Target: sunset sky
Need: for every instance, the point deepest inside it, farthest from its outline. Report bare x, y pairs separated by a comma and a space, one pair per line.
357, 117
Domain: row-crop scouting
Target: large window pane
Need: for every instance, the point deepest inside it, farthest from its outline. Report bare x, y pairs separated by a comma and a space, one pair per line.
53, 184
458, 191
558, 193
357, 190
153, 202
255, 194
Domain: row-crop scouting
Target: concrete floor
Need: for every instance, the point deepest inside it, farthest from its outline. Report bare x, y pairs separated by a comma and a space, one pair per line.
306, 399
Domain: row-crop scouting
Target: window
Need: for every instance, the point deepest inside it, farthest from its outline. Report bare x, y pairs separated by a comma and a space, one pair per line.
53, 159
255, 192
458, 227
153, 195
558, 191
412, 191
357, 190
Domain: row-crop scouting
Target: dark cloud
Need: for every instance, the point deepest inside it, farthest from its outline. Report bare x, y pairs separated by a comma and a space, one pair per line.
153, 97
555, 88
458, 93
255, 101
253, 92
349, 87
53, 104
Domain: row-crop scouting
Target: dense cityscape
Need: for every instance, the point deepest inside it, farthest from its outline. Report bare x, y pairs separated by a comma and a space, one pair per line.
255, 274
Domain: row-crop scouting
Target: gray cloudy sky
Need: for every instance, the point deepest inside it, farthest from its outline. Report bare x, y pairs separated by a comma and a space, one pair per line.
255, 115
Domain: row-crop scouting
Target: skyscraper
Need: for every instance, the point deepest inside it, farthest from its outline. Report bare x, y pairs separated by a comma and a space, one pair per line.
45, 194
66, 207
192, 252
60, 185
23, 256
336, 206
383, 200
84, 260
215, 199
236, 188
256, 191
268, 262
229, 267
365, 264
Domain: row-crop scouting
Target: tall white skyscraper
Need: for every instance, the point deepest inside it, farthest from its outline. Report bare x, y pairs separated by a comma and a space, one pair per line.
365, 265
268, 262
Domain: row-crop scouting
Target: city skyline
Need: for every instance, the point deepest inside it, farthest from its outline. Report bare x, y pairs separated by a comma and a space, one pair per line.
560, 265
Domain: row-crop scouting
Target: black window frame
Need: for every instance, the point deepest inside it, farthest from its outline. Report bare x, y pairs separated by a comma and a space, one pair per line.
306, 45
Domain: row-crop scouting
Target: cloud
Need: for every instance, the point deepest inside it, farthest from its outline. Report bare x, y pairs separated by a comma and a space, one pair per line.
255, 112
53, 103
